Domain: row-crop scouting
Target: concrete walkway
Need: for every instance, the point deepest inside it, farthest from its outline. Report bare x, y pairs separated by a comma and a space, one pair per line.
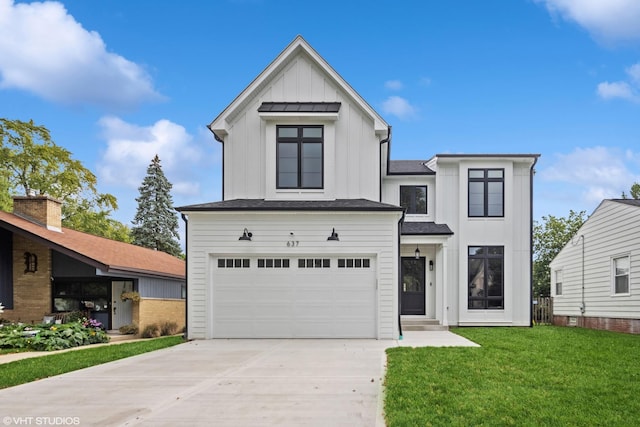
222, 383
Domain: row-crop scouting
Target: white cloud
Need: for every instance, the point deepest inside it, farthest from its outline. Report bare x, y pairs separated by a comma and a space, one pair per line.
596, 172
634, 73
130, 149
44, 50
393, 84
613, 90
606, 20
399, 107
425, 81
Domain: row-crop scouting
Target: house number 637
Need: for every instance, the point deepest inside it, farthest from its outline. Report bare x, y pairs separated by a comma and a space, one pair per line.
292, 243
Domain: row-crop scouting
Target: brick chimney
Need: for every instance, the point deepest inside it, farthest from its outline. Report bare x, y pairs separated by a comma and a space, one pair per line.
42, 210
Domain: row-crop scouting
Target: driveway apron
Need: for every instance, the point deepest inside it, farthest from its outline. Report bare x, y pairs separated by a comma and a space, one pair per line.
214, 383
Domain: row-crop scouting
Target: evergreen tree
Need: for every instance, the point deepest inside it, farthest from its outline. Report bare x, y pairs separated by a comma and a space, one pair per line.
155, 225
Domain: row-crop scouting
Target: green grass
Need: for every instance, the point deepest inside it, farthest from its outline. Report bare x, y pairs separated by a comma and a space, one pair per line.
542, 376
35, 368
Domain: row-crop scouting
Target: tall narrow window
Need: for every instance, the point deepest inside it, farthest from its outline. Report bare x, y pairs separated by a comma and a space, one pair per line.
486, 192
300, 155
559, 279
414, 199
621, 275
486, 283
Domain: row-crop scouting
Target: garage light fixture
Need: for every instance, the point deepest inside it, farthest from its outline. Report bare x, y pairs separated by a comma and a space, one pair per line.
417, 252
430, 265
246, 235
334, 236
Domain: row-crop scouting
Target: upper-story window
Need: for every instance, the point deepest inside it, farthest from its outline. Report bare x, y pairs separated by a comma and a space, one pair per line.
486, 192
414, 199
300, 157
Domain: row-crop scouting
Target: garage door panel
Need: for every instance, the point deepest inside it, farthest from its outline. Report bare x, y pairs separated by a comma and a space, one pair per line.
294, 302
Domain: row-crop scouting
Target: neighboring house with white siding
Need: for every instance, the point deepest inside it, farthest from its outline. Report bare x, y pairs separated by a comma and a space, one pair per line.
595, 278
321, 234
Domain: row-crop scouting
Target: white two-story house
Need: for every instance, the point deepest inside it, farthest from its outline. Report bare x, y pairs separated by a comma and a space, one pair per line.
320, 234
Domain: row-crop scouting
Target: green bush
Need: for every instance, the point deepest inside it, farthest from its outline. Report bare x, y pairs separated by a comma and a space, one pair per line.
151, 331
48, 337
168, 328
131, 329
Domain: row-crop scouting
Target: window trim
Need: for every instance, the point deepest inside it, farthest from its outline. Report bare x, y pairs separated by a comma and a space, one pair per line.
558, 274
485, 180
486, 256
614, 275
413, 199
300, 141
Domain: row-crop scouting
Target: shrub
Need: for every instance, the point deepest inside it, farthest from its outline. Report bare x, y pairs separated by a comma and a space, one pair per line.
151, 331
74, 316
131, 329
46, 337
168, 328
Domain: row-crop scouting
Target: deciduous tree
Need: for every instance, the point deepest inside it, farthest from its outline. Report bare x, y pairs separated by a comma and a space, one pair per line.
33, 163
155, 225
549, 237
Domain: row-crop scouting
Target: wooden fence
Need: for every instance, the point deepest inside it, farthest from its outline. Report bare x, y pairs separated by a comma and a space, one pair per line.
542, 310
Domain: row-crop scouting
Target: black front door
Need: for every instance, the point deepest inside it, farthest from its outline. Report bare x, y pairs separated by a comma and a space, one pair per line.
412, 286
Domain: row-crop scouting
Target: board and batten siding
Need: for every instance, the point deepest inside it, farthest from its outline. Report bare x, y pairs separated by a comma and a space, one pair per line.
151, 287
351, 147
511, 231
215, 234
611, 231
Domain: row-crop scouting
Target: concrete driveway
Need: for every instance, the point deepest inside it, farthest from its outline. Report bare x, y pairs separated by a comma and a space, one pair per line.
217, 382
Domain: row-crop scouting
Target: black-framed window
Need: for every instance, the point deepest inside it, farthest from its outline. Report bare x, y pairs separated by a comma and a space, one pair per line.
414, 199
486, 277
486, 192
300, 153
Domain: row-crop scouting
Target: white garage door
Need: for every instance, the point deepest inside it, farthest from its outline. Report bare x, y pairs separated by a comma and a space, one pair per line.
292, 297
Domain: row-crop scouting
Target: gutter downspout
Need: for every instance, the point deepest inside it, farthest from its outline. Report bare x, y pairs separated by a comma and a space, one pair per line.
531, 175
185, 218
221, 141
400, 222
384, 141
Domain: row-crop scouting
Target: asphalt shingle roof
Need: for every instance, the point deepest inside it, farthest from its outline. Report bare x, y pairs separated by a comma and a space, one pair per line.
100, 252
632, 202
292, 205
425, 228
409, 167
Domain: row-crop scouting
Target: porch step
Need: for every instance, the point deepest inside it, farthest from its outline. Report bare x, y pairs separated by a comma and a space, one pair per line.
422, 325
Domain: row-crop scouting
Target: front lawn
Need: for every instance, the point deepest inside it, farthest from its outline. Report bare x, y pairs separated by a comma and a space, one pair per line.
520, 376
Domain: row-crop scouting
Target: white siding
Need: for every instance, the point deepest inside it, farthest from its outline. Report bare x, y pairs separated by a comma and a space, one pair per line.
361, 233
391, 194
511, 231
611, 231
351, 145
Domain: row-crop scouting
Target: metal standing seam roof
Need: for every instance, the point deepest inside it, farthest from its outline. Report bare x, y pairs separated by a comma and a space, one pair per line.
100, 252
291, 205
299, 107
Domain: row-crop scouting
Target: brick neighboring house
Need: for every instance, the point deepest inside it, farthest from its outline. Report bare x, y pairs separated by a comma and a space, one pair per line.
47, 269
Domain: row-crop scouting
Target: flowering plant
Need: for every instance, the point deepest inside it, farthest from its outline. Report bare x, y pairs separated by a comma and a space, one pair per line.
91, 323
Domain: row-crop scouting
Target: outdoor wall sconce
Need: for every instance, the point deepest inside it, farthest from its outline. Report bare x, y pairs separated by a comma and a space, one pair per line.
30, 262
334, 236
430, 265
246, 235
417, 252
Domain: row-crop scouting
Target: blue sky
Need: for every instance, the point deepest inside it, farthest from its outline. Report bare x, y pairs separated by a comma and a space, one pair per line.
118, 81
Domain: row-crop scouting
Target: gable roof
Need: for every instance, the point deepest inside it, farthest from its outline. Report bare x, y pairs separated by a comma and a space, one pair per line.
298, 45
630, 202
107, 255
